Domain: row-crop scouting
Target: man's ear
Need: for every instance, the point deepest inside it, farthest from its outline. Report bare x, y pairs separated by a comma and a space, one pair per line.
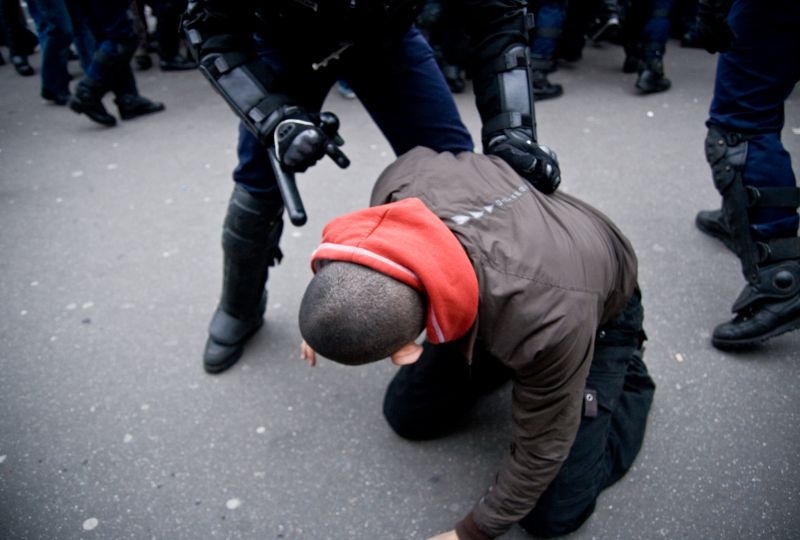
407, 354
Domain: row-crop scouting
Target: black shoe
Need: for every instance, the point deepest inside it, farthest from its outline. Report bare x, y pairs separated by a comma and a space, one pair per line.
651, 79
758, 324
176, 63
632, 64
143, 62
22, 66
2, 60
227, 336
133, 106
452, 74
543, 88
713, 223
57, 99
88, 100
769, 308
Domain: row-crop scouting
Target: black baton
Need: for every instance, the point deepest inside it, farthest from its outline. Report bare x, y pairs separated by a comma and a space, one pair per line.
288, 188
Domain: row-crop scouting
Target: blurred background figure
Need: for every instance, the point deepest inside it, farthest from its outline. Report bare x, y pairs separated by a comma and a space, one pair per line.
110, 68
17, 36
684, 23
443, 25
549, 18
644, 35
166, 40
58, 34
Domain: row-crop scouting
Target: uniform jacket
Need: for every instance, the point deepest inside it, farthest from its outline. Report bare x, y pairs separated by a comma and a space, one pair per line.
311, 32
551, 269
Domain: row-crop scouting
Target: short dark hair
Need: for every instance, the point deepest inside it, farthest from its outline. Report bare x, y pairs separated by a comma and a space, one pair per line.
354, 315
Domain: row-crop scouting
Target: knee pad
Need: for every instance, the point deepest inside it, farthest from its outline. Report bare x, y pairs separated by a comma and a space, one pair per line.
726, 153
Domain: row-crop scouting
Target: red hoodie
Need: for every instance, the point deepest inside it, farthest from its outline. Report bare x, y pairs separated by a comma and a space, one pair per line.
409, 243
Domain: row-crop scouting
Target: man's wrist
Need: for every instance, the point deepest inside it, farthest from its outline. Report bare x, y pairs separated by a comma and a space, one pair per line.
467, 529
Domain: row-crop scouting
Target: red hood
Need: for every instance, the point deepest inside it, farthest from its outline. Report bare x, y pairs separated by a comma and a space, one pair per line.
409, 243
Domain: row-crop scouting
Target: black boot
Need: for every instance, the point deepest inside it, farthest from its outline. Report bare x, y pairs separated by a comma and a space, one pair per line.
766, 308
88, 100
455, 80
632, 64
713, 223
250, 239
543, 88
22, 66
133, 105
176, 62
651, 78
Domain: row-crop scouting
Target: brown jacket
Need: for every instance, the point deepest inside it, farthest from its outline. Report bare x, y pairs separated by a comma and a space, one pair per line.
550, 269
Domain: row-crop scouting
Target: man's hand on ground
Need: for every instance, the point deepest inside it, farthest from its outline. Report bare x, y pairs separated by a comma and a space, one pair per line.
308, 354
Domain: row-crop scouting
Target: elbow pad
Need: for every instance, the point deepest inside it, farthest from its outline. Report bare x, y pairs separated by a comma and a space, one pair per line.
242, 80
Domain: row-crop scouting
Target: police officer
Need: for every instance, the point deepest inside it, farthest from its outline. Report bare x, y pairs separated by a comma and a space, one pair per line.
550, 16
757, 70
645, 31
274, 63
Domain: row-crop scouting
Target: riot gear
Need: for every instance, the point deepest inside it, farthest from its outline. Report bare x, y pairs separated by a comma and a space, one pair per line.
769, 304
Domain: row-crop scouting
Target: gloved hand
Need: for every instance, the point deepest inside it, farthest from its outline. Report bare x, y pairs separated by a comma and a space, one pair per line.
302, 139
534, 162
713, 32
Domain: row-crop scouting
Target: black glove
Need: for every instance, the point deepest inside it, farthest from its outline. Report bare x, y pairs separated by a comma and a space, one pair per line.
713, 32
534, 162
302, 139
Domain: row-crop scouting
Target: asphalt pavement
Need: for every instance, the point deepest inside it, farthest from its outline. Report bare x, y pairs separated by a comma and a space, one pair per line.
110, 267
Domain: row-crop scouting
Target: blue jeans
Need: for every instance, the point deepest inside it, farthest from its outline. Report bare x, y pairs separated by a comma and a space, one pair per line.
646, 27
57, 31
754, 79
403, 90
116, 41
550, 16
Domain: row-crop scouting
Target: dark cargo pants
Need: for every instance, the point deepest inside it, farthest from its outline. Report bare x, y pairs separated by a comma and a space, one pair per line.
428, 398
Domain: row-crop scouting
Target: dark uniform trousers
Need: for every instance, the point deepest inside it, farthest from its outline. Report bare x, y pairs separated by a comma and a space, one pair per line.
430, 398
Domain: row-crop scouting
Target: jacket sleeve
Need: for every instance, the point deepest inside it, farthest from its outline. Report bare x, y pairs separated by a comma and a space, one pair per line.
546, 413
219, 27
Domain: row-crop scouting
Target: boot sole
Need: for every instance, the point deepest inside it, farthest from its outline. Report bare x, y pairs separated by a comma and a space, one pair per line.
215, 368
749, 343
99, 119
238, 350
